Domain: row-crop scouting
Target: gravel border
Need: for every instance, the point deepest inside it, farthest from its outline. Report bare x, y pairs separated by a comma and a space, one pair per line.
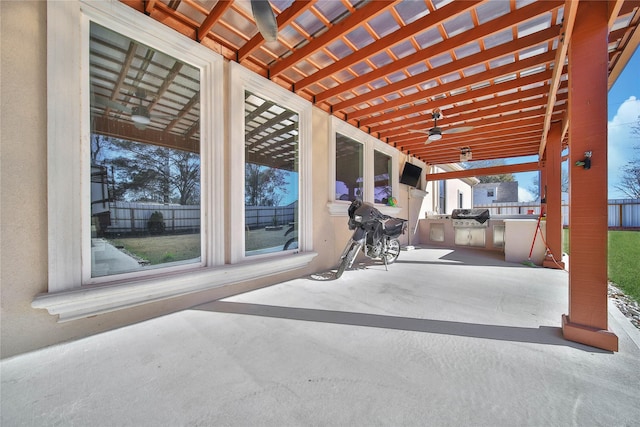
625, 304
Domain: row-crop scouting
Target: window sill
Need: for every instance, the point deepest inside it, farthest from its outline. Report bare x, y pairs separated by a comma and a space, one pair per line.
342, 208
94, 300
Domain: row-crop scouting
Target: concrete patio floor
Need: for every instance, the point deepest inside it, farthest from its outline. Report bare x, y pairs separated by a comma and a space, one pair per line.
444, 338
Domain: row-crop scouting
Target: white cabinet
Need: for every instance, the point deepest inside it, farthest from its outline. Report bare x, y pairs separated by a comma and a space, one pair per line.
471, 236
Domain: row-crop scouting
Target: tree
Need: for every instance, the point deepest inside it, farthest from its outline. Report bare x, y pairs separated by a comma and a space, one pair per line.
264, 186
564, 182
630, 182
145, 172
504, 177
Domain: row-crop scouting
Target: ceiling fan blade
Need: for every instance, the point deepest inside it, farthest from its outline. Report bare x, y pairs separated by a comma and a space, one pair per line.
419, 131
457, 130
106, 102
265, 19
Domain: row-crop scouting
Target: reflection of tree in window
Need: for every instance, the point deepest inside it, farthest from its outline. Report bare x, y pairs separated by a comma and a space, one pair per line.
147, 173
271, 176
145, 137
349, 176
382, 172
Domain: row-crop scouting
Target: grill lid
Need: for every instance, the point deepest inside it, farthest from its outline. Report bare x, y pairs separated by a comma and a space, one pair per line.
480, 215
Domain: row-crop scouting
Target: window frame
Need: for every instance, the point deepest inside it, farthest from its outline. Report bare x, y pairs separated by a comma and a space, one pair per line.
68, 169
370, 144
335, 168
209, 254
241, 80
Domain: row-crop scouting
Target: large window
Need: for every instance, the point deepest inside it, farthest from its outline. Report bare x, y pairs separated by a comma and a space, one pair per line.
349, 168
271, 193
135, 162
362, 167
271, 176
145, 156
382, 173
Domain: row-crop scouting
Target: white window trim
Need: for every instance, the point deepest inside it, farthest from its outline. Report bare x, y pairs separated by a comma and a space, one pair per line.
67, 161
370, 144
242, 80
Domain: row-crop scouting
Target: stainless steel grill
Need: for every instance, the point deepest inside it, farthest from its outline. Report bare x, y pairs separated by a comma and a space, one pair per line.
470, 218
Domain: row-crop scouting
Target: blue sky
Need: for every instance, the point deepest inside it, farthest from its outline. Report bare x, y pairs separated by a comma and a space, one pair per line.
623, 112
624, 109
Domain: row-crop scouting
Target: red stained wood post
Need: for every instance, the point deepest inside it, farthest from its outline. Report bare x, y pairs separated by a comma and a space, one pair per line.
551, 190
586, 321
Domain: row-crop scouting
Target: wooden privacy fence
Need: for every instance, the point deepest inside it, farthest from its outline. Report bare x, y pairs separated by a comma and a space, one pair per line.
130, 217
263, 216
623, 213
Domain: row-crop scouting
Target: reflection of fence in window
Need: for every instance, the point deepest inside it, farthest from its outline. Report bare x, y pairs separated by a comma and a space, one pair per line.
129, 217
263, 216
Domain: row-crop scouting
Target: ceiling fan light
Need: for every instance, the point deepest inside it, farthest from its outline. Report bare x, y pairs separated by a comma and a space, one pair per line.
435, 136
143, 120
140, 115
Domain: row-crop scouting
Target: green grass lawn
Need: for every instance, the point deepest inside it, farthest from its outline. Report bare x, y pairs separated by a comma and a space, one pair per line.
180, 247
624, 256
161, 249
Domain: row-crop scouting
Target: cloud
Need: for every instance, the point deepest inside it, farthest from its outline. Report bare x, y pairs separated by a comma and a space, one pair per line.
525, 195
622, 142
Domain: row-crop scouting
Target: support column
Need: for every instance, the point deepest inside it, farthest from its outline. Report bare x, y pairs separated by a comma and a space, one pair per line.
552, 192
587, 321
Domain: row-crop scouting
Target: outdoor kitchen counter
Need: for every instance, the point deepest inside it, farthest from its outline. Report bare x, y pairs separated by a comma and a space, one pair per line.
511, 234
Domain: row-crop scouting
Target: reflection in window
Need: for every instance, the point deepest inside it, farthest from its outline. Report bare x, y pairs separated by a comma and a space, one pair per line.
349, 168
382, 177
145, 157
271, 176
442, 196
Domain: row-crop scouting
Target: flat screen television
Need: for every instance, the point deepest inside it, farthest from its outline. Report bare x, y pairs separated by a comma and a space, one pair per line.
411, 175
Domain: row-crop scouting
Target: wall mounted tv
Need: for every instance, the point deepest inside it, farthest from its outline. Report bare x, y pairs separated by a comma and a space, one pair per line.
411, 175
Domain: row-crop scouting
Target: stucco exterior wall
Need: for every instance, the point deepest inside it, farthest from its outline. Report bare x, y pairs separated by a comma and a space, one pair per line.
23, 200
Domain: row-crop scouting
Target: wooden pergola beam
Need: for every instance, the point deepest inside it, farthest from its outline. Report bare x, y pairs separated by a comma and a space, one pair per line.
218, 10
470, 95
491, 74
354, 20
283, 19
431, 20
493, 170
569, 18
436, 73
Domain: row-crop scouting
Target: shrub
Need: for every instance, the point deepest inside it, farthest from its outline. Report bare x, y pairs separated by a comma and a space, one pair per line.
156, 223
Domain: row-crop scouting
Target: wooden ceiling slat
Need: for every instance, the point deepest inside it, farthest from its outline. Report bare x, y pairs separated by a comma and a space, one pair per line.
569, 18
492, 134
444, 70
614, 7
488, 75
455, 99
494, 170
432, 150
220, 7
343, 27
283, 19
447, 45
447, 12
387, 113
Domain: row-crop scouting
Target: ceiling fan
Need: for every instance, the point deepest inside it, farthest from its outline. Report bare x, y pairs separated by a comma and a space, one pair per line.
265, 19
435, 133
139, 114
